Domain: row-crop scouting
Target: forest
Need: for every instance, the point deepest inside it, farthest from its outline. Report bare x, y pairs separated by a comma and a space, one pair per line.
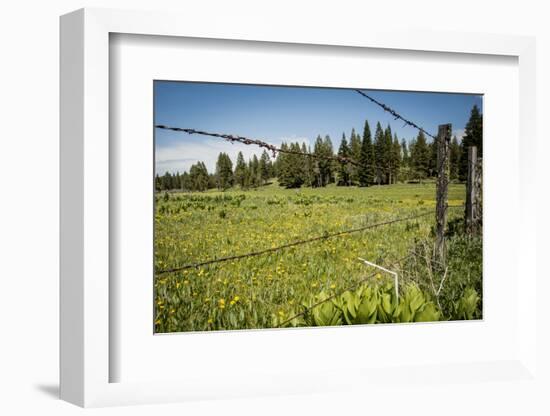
382, 159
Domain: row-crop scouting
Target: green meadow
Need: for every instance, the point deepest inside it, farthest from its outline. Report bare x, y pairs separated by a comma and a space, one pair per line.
318, 283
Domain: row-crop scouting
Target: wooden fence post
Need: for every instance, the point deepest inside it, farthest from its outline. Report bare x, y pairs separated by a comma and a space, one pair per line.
472, 215
443, 140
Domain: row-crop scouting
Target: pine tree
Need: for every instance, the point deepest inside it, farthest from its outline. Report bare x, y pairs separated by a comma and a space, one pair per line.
473, 136
281, 164
166, 181
355, 154
323, 167
366, 158
380, 154
198, 176
264, 167
291, 169
241, 171
158, 183
343, 168
420, 157
254, 172
317, 174
307, 166
186, 182
388, 159
224, 172
330, 163
396, 158
405, 160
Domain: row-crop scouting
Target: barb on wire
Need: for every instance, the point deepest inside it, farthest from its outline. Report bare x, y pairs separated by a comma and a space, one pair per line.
335, 295
246, 140
272, 148
396, 114
284, 246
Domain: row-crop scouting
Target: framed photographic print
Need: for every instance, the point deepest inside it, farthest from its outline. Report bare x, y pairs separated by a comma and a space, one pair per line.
297, 207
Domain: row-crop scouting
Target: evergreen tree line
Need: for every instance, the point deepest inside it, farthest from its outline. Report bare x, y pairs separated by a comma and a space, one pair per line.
249, 174
382, 160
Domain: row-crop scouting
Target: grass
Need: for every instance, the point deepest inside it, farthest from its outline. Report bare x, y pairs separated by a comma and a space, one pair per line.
259, 291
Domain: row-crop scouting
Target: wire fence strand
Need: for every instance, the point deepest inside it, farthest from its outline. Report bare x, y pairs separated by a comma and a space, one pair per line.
293, 244
248, 141
399, 261
395, 114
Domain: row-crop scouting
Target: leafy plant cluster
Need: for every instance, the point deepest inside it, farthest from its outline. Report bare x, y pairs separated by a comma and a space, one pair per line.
369, 304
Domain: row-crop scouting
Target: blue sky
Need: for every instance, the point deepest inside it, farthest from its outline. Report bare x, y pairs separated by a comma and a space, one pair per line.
277, 114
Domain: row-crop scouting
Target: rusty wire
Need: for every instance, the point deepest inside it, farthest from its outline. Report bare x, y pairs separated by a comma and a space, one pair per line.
395, 114
272, 148
284, 246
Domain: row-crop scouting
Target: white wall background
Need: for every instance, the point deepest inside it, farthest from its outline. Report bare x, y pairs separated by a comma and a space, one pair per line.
29, 209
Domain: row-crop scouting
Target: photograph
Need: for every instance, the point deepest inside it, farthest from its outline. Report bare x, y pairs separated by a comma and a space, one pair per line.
293, 206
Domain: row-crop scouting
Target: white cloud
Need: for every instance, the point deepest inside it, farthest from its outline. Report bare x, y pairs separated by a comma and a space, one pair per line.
180, 156
459, 133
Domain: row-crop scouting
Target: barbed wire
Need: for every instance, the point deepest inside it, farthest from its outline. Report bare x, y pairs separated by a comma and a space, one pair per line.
395, 114
272, 148
293, 244
339, 293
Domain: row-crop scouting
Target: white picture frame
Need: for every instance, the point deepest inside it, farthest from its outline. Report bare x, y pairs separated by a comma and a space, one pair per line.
85, 352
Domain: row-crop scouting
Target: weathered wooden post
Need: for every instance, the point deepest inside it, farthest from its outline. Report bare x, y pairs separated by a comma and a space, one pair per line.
473, 193
443, 140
